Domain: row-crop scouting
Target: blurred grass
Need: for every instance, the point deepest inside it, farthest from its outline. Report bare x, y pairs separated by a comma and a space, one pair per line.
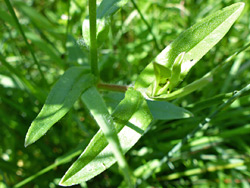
216, 157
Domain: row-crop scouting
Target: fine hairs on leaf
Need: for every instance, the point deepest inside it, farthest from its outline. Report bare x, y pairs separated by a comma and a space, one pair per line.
122, 127
195, 42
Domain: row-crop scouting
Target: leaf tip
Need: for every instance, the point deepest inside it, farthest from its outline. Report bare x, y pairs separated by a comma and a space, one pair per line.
241, 6
27, 141
61, 183
65, 183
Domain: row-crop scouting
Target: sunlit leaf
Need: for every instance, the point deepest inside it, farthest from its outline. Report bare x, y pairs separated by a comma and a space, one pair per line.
97, 157
108, 7
195, 42
60, 99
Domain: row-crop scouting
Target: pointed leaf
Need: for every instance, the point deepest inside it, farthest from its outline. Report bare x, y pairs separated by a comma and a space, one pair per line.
195, 42
97, 157
60, 99
97, 107
162, 110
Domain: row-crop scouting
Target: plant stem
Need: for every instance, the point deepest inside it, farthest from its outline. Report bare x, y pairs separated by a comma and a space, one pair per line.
202, 125
147, 24
93, 41
63, 160
98, 109
113, 87
7, 2
198, 84
67, 27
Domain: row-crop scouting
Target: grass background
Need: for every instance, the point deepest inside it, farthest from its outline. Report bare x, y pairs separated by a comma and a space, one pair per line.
216, 157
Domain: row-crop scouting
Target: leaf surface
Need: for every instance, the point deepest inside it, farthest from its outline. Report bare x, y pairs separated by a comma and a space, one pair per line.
104, 10
59, 101
132, 117
195, 42
162, 110
108, 7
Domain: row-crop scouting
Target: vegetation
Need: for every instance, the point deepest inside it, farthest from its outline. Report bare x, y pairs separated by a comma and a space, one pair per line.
160, 87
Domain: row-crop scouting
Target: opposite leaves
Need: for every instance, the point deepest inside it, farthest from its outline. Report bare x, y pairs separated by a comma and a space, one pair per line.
132, 117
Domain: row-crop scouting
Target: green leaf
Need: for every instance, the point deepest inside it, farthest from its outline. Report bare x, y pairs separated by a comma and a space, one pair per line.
108, 7
59, 101
195, 42
98, 109
102, 29
35, 16
162, 110
104, 10
47, 49
132, 117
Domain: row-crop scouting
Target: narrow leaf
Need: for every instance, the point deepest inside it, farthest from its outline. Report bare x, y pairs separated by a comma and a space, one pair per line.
98, 109
195, 42
162, 110
133, 112
108, 7
60, 99
35, 16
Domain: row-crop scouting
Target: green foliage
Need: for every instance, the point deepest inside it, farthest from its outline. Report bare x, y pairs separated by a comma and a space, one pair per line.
187, 50
60, 99
133, 112
49, 50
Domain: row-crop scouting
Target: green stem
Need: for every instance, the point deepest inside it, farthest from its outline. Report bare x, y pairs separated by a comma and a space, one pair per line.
113, 87
93, 41
25, 39
202, 125
99, 110
67, 27
198, 84
63, 159
147, 24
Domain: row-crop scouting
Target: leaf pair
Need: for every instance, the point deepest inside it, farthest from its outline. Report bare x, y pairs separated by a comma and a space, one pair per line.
195, 42
131, 118
166, 79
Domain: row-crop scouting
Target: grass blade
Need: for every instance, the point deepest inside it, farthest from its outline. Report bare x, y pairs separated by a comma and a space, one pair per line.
202, 125
25, 39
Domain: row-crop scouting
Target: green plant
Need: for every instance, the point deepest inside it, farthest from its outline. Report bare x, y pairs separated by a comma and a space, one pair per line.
169, 70
143, 103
